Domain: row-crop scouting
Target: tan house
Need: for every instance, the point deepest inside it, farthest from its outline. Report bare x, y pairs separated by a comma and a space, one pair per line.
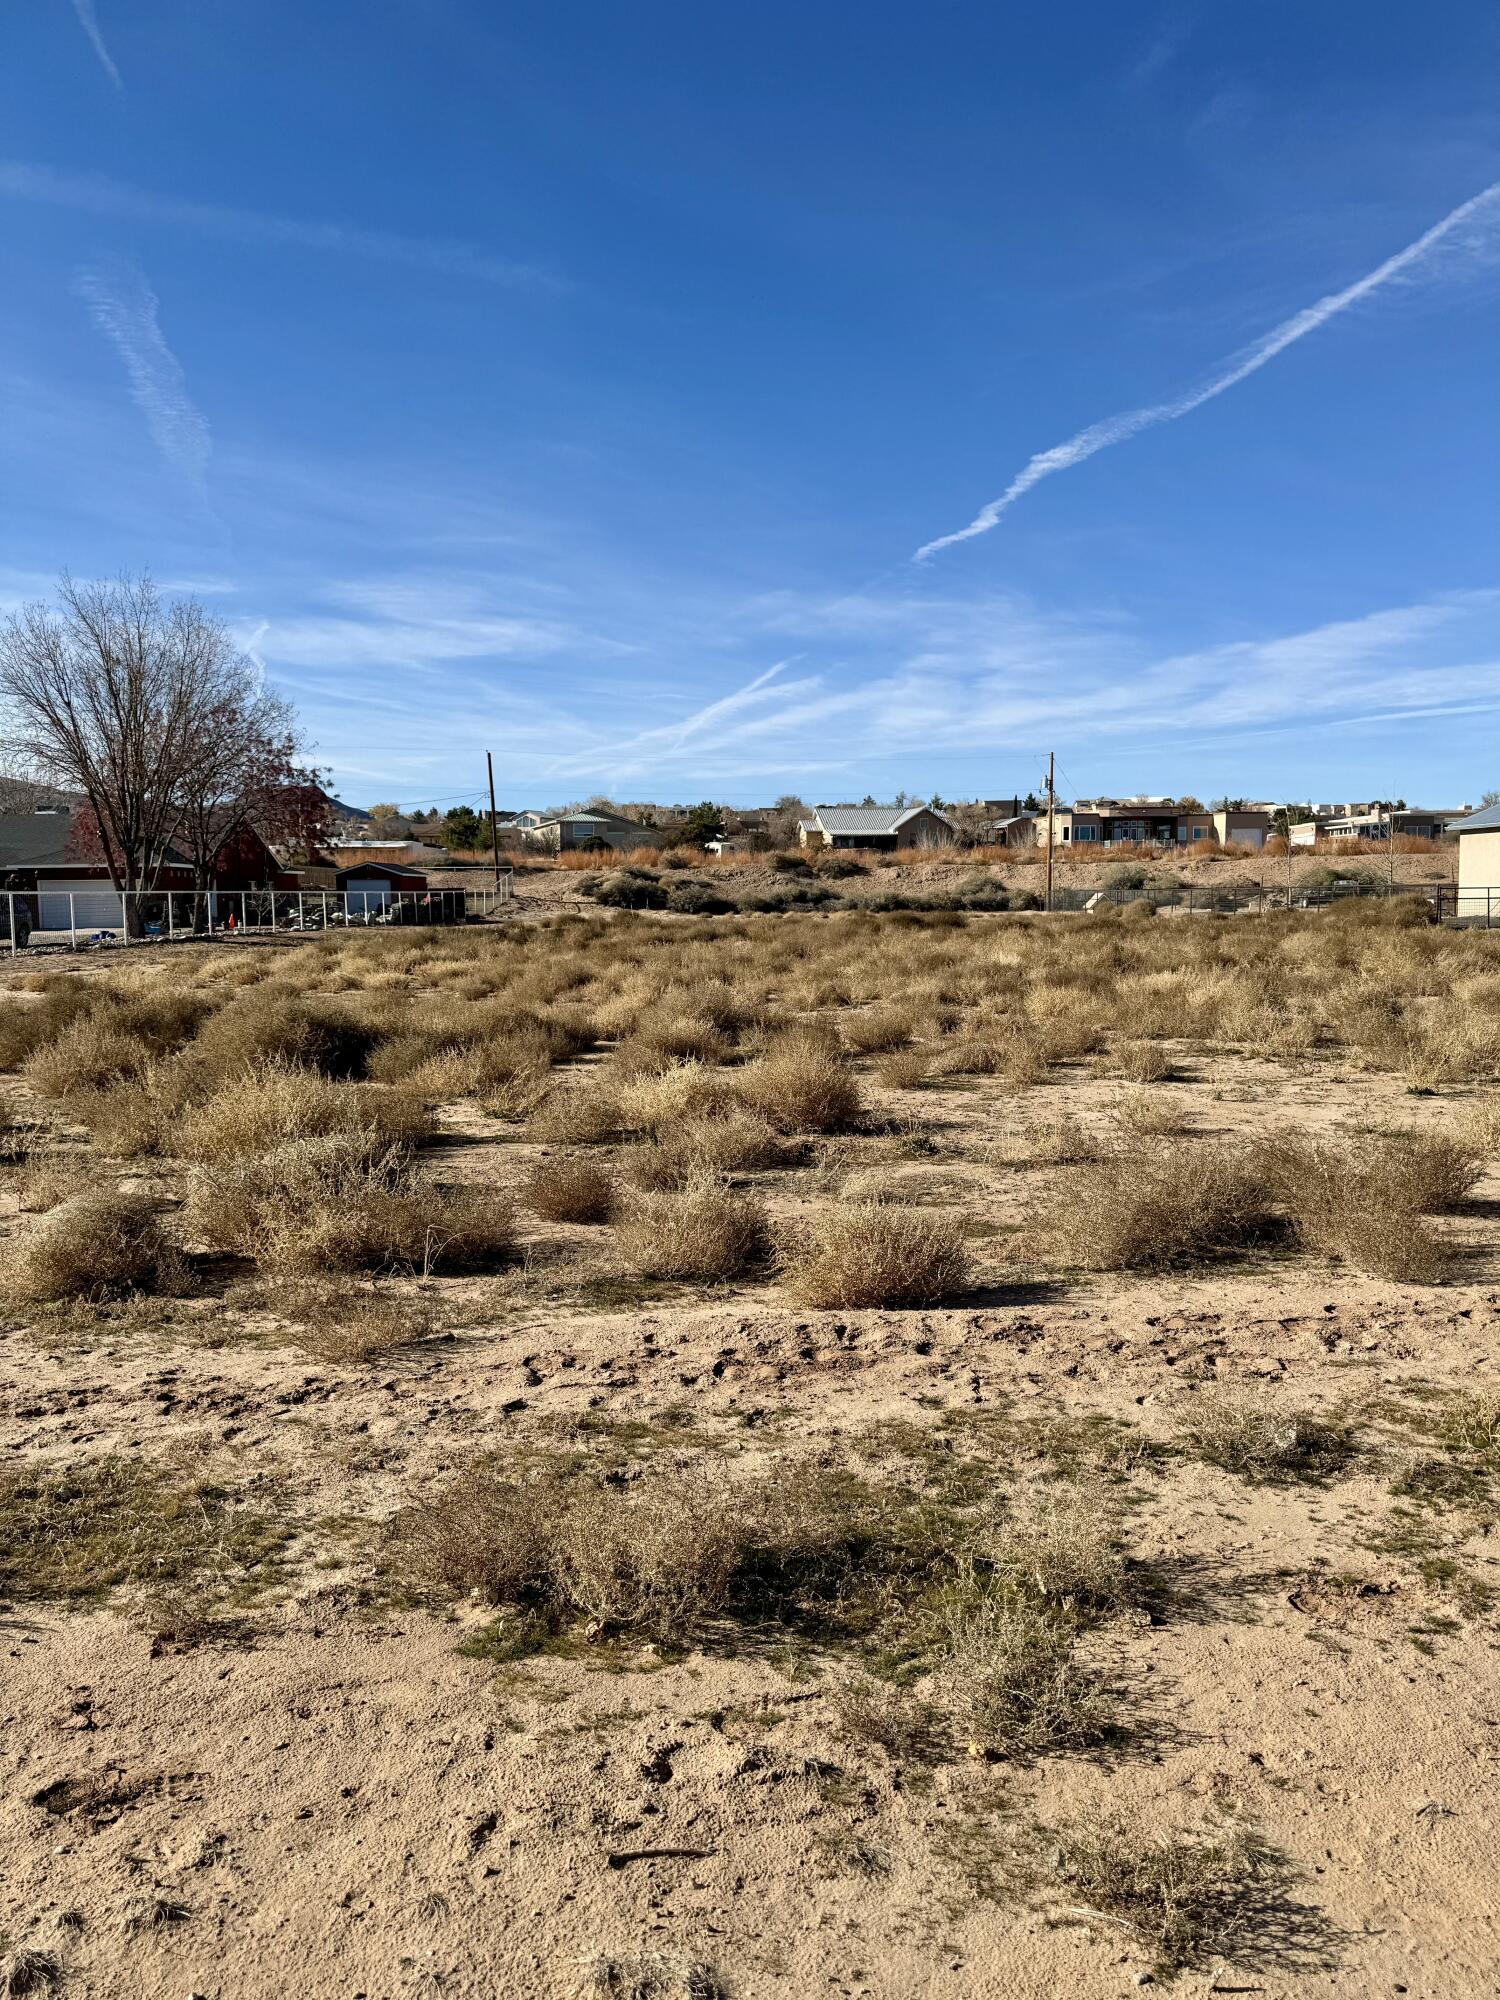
1479, 864
1151, 822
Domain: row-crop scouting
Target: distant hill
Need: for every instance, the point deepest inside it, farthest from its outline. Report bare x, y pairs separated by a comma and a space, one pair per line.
347, 812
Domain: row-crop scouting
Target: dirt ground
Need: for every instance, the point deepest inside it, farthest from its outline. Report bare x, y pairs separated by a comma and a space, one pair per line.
326, 1794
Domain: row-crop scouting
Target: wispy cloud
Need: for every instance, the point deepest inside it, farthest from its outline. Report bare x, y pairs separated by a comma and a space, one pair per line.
88, 20
1474, 221
648, 746
1162, 51
94, 195
126, 311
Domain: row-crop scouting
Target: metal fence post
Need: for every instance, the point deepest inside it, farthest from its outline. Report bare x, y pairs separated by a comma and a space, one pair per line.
12, 898
72, 922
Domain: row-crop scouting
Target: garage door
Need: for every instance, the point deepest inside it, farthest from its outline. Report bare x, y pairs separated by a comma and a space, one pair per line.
368, 896
94, 907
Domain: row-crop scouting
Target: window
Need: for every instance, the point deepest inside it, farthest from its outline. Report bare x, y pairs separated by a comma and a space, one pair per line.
1086, 833
1200, 833
1065, 832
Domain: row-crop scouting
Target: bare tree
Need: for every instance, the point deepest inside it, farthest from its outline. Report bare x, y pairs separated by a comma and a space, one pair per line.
148, 709
241, 770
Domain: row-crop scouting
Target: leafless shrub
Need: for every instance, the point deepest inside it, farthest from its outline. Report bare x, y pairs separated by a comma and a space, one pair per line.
1061, 1554
1366, 1203
652, 1975
570, 1190
1012, 1677
878, 1030
729, 1142
657, 1562
1188, 1899
340, 1321
91, 1246
801, 1085
1139, 1062
1471, 1422
1175, 1205
91, 1053
904, 1069
1263, 1443
699, 1230
878, 1254
270, 1105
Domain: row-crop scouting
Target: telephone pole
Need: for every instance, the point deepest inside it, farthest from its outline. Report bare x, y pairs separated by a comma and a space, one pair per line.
1051, 822
489, 764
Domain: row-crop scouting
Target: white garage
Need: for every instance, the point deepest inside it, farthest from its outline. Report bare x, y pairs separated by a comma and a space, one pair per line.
95, 906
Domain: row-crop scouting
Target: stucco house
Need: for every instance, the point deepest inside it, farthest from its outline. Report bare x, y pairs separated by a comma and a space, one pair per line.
567, 832
1479, 864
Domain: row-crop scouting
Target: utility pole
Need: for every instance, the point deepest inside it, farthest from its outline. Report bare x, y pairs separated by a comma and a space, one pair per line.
489, 764
1390, 848
1051, 821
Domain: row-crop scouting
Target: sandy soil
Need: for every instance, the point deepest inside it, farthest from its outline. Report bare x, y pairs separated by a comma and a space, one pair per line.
334, 1800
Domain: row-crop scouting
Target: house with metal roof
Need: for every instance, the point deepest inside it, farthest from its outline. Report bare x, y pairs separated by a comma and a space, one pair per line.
588, 831
878, 827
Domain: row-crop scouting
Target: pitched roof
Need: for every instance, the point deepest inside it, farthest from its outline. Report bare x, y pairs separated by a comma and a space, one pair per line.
37, 840
1486, 820
870, 819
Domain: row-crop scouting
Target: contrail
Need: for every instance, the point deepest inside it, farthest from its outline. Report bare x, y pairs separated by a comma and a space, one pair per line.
124, 308
88, 20
1115, 430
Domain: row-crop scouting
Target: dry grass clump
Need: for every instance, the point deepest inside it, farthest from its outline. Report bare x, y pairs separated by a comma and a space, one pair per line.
1146, 1115
878, 1030
1062, 1555
570, 1190
1471, 1422
654, 1561
1365, 1201
91, 1246
271, 1104
1188, 1899
651, 1975
1268, 1445
26, 1968
576, 1114
1139, 1062
732, 1141
869, 1253
339, 1202
269, 1026
701, 1229
1013, 1680
1173, 1205
340, 1321
904, 1069
91, 1053
801, 1085
83, 1530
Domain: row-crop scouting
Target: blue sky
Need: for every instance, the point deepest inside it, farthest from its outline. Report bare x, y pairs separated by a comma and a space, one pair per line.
581, 381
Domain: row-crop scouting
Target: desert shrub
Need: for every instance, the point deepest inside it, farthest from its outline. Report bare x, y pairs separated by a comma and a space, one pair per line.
91, 1246
865, 1253
1471, 1422
699, 1230
1366, 1203
1011, 1675
652, 1975
339, 1202
270, 1104
82, 1530
266, 1026
658, 1102
1140, 1062
1176, 1205
801, 1085
576, 1114
25, 1026
570, 1190
839, 867
26, 1968
882, 1028
697, 899
656, 1044
1063, 1555
629, 889
1189, 1900
784, 863
1027, 899
904, 1069
18, 1136
341, 1321
654, 1560
92, 1053
1264, 1444
730, 1141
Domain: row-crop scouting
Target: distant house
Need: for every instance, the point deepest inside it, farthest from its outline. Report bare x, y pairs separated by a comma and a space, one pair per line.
879, 827
372, 886
1014, 830
1150, 822
566, 833
52, 859
398, 853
